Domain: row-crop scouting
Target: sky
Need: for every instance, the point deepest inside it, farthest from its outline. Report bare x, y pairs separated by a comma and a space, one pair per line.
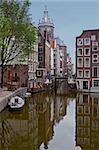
70, 18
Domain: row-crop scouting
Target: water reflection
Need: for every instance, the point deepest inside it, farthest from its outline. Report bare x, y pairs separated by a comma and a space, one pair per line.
52, 122
87, 121
32, 126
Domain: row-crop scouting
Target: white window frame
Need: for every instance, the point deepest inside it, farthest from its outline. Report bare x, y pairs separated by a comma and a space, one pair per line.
95, 58
85, 64
78, 54
94, 49
85, 73
97, 83
86, 43
85, 51
93, 37
79, 41
79, 63
93, 71
78, 73
94, 43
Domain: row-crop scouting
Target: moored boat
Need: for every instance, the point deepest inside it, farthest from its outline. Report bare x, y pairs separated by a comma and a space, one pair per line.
28, 94
16, 103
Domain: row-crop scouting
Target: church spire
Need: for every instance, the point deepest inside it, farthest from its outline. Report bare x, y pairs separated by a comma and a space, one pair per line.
46, 19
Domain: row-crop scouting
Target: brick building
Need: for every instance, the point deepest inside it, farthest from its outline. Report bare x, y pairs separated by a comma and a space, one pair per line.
87, 61
60, 57
16, 75
45, 38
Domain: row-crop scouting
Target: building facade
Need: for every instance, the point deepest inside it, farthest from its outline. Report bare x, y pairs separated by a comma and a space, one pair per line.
87, 61
32, 66
70, 66
59, 57
46, 24
45, 36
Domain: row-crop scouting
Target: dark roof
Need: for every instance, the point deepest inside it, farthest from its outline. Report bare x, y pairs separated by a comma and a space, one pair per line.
88, 33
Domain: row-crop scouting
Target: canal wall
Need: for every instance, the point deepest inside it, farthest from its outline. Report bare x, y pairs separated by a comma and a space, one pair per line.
65, 88
4, 100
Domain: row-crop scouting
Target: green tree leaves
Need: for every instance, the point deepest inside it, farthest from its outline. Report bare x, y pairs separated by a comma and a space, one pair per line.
17, 34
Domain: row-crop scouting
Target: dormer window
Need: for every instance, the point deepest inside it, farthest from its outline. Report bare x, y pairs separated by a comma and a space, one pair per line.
93, 37
87, 41
79, 42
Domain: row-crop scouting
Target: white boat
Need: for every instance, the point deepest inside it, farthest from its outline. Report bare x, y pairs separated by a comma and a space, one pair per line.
16, 103
27, 94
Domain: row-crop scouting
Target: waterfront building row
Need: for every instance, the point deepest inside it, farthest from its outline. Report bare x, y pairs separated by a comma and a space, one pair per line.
87, 61
49, 58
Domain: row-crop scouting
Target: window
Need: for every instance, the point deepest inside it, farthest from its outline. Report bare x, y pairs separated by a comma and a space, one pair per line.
95, 58
79, 74
79, 52
79, 41
93, 37
87, 51
94, 43
87, 75
39, 73
40, 49
87, 62
95, 48
40, 58
95, 71
87, 41
80, 62
96, 83
60, 64
30, 67
85, 85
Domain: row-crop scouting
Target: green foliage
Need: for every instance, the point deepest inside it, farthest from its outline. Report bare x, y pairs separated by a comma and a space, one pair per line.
17, 34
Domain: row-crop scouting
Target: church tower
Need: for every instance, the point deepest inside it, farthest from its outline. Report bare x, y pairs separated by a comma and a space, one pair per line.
46, 24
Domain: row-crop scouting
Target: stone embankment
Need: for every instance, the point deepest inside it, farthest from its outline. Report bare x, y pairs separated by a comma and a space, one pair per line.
6, 95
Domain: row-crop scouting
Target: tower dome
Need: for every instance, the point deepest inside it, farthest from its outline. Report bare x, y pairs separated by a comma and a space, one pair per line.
46, 21
46, 24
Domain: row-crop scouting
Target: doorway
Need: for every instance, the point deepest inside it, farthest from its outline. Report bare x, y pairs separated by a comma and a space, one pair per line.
85, 85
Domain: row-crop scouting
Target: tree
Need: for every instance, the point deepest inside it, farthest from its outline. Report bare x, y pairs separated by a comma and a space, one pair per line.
17, 33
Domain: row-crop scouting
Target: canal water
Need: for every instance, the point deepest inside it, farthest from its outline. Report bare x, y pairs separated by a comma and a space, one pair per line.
52, 122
